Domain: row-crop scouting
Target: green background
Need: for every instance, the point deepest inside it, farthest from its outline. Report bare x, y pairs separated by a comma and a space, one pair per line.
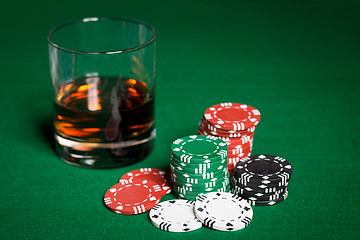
296, 61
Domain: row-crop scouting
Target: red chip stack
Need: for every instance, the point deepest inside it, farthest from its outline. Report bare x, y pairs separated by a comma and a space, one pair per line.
234, 123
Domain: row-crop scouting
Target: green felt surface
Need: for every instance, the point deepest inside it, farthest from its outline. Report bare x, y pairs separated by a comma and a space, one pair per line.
296, 61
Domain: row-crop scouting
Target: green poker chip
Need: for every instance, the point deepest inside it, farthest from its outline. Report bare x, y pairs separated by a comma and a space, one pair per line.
209, 165
196, 193
181, 174
192, 181
199, 170
185, 196
199, 148
190, 160
202, 187
180, 180
204, 184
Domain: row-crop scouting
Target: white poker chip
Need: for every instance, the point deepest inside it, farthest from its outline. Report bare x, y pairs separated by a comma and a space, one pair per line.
223, 211
175, 216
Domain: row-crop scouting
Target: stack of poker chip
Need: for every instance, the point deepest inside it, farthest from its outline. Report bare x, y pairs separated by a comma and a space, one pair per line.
137, 191
198, 164
234, 123
261, 179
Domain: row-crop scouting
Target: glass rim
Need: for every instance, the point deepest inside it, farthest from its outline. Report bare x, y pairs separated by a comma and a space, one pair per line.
96, 19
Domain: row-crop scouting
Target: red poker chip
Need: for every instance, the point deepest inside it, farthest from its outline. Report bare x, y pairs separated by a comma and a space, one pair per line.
233, 149
211, 128
231, 170
132, 198
230, 137
224, 133
238, 141
236, 148
237, 144
200, 132
231, 158
231, 140
232, 116
144, 175
239, 152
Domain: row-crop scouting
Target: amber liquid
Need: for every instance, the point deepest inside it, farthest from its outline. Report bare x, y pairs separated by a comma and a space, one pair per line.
104, 121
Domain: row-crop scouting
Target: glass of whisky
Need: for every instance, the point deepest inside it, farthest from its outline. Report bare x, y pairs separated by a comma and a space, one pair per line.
103, 76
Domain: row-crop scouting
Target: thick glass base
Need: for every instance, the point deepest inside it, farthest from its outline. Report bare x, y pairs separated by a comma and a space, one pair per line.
103, 155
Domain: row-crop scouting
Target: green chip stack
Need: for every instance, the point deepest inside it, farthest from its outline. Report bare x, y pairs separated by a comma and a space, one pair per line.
198, 164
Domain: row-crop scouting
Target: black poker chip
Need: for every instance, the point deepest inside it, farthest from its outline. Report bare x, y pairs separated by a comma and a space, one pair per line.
263, 168
261, 179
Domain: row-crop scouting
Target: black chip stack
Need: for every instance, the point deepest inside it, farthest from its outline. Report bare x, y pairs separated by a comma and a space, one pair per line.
261, 179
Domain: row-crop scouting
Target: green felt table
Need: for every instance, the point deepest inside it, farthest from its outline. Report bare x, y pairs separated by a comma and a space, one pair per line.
296, 61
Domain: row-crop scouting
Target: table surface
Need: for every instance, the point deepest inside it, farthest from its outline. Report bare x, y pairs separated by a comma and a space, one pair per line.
296, 61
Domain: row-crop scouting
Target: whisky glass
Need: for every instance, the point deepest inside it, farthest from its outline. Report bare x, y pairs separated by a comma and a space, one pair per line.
103, 77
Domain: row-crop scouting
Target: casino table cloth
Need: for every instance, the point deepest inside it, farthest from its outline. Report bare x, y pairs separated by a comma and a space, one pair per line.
295, 61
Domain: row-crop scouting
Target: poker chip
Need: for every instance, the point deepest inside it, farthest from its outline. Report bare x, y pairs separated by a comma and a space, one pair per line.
255, 190
185, 180
175, 216
223, 211
233, 123
261, 183
196, 169
222, 182
182, 174
232, 116
192, 194
206, 165
270, 202
184, 196
132, 198
260, 196
198, 164
263, 169
196, 189
196, 148
210, 130
261, 179
145, 174
217, 129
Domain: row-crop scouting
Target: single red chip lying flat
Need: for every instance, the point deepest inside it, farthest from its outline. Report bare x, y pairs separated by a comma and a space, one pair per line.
232, 116
157, 176
132, 198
